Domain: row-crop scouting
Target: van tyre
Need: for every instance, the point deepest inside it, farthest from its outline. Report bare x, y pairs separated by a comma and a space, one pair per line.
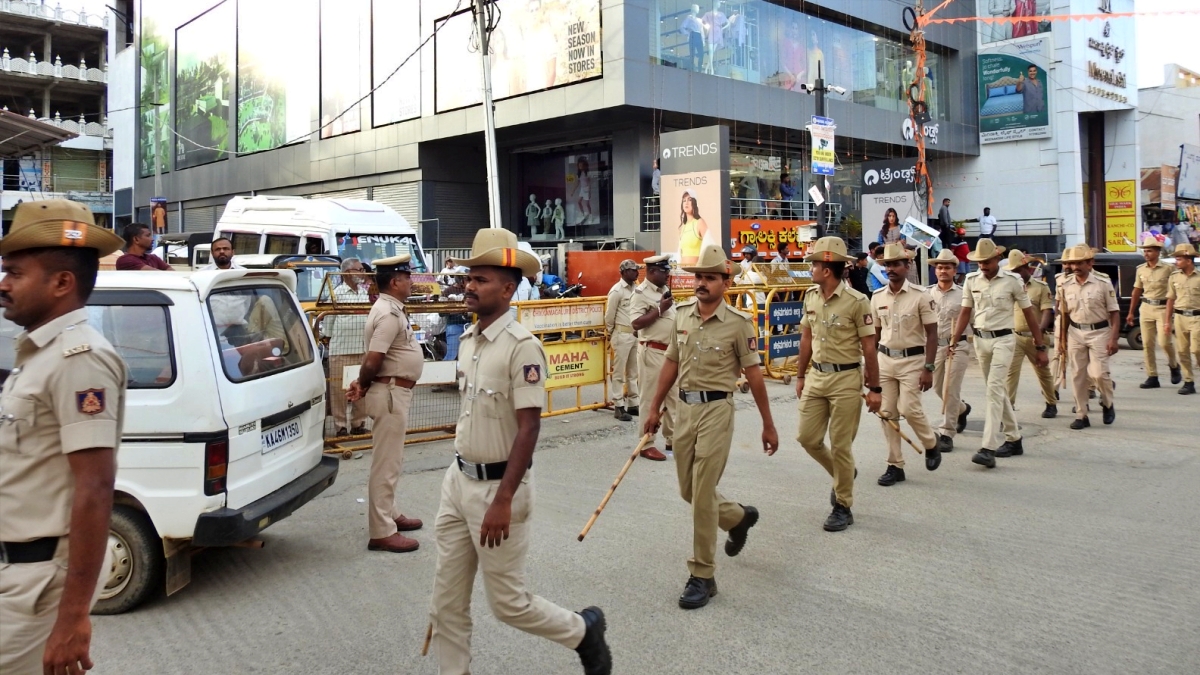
138, 566
1134, 338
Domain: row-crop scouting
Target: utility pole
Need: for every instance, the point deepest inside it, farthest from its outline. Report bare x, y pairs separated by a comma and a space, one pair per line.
482, 25
819, 87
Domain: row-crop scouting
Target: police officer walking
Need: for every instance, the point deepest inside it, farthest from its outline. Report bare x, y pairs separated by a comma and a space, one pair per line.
990, 296
1183, 311
389, 371
1043, 306
624, 345
1150, 291
838, 340
61, 412
1091, 323
653, 311
906, 328
713, 343
486, 510
947, 301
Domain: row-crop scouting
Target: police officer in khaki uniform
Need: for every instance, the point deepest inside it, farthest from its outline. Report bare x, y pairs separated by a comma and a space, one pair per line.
1091, 327
906, 331
713, 343
389, 371
653, 310
1043, 306
61, 412
989, 298
624, 344
1183, 312
1150, 291
486, 511
947, 301
838, 340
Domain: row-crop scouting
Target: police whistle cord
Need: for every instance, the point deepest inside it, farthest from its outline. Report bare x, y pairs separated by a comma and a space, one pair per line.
646, 440
896, 425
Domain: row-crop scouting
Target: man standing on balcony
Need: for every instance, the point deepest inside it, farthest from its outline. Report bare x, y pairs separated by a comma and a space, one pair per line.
624, 345
987, 224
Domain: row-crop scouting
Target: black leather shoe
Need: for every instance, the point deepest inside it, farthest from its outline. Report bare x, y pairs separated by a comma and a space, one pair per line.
593, 650
737, 535
1050, 412
1091, 394
933, 458
632, 411
1110, 413
985, 457
1081, 423
697, 592
622, 415
1176, 375
1010, 449
840, 519
945, 443
893, 475
962, 418
1056, 396
1150, 383
1188, 388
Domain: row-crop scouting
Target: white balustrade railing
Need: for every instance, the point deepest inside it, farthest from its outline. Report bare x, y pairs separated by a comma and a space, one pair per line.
56, 69
57, 14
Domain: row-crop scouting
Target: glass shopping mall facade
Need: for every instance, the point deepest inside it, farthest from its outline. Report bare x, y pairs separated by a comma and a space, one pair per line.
583, 91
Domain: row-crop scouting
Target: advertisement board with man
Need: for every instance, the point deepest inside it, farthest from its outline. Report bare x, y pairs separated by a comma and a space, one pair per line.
1013, 95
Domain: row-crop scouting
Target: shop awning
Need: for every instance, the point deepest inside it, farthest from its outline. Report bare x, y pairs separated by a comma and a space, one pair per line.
20, 135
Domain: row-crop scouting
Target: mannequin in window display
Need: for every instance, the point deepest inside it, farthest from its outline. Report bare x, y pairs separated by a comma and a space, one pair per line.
559, 216
547, 217
714, 22
907, 74
792, 58
692, 27
1000, 8
816, 56
735, 31
583, 191
533, 214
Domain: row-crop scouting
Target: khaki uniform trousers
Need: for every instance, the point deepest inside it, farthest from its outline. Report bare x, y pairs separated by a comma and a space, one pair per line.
832, 402
650, 363
1187, 332
1087, 352
948, 426
624, 375
29, 597
464, 503
900, 380
388, 407
1025, 350
337, 393
1152, 319
702, 441
995, 357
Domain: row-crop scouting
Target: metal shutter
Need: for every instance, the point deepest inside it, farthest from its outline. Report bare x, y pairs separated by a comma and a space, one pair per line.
404, 198
356, 193
200, 218
461, 210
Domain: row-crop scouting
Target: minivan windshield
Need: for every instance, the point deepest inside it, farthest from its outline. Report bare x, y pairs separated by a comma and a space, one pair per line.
368, 247
259, 331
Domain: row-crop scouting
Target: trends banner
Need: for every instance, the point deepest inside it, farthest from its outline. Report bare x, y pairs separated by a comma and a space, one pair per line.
695, 179
888, 185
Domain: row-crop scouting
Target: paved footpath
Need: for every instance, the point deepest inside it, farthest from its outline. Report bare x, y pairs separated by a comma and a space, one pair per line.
1083, 556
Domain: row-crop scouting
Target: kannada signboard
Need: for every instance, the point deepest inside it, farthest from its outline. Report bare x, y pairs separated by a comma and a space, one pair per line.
1120, 215
1167, 188
572, 364
823, 157
783, 346
786, 313
767, 235
578, 314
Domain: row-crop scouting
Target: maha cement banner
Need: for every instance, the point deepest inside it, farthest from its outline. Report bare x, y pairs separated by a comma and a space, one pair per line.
571, 364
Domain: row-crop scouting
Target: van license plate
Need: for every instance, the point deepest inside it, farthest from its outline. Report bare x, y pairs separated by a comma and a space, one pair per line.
281, 435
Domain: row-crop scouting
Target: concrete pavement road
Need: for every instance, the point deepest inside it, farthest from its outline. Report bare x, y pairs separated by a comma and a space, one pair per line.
1080, 557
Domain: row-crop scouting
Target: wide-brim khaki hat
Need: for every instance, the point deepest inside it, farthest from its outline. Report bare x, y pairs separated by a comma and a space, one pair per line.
895, 252
985, 249
1184, 251
712, 261
1078, 253
497, 247
1016, 259
946, 257
828, 249
53, 223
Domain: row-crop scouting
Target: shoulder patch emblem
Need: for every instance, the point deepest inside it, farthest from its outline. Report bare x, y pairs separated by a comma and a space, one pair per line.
752, 343
90, 401
533, 373
867, 319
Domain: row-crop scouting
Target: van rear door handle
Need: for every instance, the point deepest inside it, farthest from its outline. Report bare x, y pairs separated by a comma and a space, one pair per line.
284, 415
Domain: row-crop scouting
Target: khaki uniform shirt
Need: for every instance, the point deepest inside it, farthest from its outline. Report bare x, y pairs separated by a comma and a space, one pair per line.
901, 317
645, 297
66, 393
837, 324
616, 312
993, 300
1039, 298
1184, 289
389, 332
1091, 301
502, 370
712, 352
1153, 280
947, 304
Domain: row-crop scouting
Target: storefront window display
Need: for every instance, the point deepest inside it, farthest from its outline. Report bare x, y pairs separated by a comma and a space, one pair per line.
756, 41
571, 190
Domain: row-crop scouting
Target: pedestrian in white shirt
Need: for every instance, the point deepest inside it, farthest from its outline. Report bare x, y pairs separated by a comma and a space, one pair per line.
987, 225
346, 347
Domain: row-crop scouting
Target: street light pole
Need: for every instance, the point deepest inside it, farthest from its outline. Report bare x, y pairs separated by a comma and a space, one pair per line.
489, 121
819, 88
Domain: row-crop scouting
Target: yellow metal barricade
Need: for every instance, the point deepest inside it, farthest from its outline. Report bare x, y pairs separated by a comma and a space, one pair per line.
775, 300
572, 333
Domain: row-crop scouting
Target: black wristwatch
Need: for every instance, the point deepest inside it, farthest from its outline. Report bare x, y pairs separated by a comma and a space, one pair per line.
1041, 348
875, 390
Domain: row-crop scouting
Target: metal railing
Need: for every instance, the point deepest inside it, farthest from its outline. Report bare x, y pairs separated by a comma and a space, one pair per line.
761, 209
56, 14
39, 182
55, 69
1019, 227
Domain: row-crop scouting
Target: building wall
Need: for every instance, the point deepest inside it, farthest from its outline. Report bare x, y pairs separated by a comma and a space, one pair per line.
1168, 117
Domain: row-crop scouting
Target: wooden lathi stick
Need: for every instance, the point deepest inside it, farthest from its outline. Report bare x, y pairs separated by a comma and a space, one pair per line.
428, 637
896, 425
646, 440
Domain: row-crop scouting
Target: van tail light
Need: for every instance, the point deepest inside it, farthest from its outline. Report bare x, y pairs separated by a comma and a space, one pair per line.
216, 466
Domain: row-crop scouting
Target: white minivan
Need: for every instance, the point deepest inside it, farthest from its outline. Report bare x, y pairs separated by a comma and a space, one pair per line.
348, 228
224, 416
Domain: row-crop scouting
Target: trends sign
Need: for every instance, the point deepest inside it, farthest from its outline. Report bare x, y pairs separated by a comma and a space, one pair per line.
890, 184
694, 200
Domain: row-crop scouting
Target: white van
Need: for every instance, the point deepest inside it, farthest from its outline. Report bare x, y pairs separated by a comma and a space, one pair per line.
224, 417
347, 228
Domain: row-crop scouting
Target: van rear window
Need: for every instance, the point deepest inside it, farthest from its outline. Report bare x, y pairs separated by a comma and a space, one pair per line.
259, 332
282, 243
244, 243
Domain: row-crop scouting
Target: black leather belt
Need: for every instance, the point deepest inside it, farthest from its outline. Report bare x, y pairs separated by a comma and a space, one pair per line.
1157, 303
1188, 312
702, 396
1090, 326
902, 353
993, 334
493, 471
834, 367
945, 342
1025, 333
38, 550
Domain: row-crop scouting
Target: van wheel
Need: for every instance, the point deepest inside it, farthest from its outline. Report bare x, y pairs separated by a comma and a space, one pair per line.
138, 565
1134, 338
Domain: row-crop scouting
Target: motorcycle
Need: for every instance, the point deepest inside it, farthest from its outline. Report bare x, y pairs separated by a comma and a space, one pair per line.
558, 291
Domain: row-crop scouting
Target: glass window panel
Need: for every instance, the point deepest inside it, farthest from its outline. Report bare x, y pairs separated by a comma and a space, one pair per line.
259, 331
